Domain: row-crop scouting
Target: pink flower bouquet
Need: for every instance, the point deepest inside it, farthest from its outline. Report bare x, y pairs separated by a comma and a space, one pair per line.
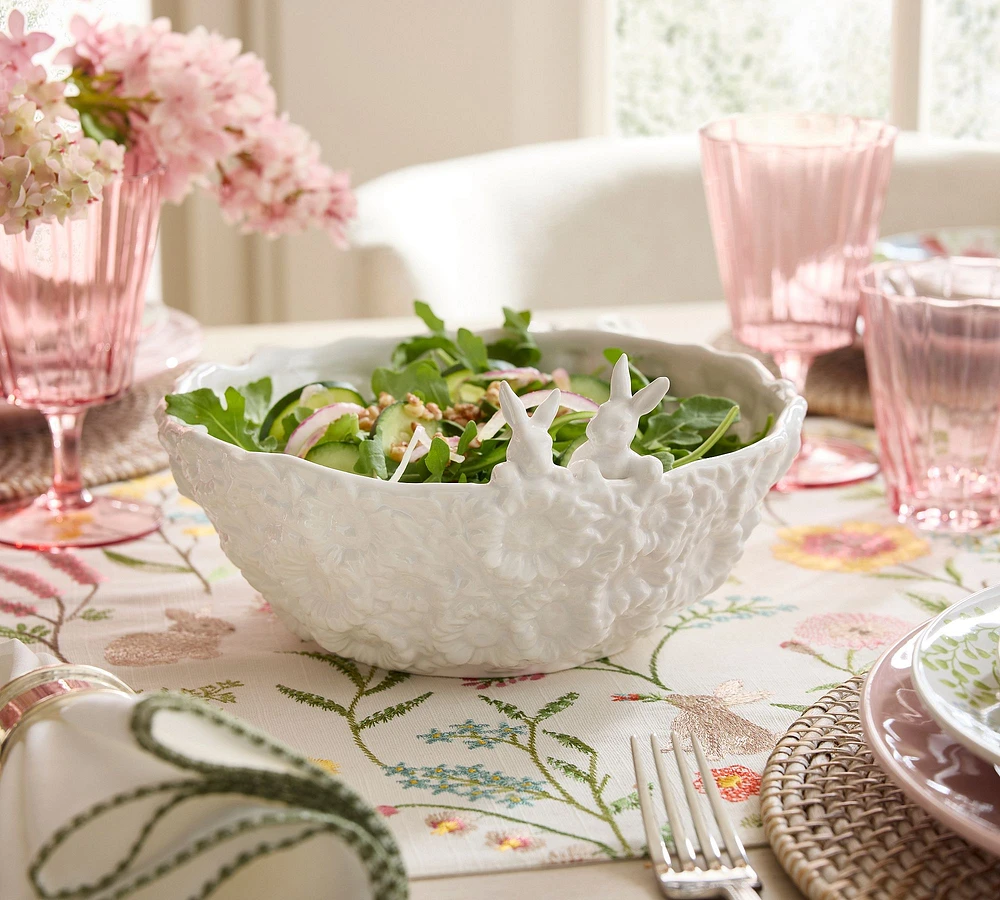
192, 104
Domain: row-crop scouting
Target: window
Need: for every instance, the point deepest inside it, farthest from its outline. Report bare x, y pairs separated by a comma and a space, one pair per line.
680, 63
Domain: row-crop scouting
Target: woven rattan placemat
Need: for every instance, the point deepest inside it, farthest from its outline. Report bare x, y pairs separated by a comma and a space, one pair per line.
843, 830
119, 442
837, 385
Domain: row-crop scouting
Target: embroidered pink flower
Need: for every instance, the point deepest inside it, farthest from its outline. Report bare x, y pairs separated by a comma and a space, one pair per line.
448, 823
735, 783
506, 840
387, 811
20, 610
29, 581
74, 567
851, 630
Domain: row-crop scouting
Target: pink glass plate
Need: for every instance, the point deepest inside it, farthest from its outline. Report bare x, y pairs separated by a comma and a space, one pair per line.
173, 339
933, 770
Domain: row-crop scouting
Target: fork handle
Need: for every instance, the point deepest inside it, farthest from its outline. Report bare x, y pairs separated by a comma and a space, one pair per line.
741, 892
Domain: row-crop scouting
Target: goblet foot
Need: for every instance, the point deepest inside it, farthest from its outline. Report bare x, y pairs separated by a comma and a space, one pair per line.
828, 462
46, 524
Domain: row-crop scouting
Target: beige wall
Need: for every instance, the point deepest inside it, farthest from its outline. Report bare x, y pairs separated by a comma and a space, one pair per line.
381, 84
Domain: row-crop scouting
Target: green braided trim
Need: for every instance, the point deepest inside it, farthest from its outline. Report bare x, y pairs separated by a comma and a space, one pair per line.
314, 798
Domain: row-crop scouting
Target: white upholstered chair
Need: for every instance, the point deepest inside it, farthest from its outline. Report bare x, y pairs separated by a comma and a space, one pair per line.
600, 222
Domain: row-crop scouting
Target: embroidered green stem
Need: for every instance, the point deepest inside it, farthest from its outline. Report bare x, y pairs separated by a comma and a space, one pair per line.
186, 556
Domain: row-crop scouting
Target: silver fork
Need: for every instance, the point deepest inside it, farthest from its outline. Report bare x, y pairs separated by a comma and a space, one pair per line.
686, 878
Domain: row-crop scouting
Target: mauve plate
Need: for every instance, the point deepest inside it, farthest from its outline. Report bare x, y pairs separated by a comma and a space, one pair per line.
169, 339
935, 771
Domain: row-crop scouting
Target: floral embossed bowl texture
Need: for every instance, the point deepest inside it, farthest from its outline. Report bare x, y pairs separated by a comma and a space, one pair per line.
541, 569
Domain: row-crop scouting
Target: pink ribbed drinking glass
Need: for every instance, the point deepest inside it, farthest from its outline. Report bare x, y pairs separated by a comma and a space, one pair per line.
794, 201
932, 344
71, 299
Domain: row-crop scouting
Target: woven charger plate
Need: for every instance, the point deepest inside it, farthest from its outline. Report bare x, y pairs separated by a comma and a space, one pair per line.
837, 385
843, 830
119, 442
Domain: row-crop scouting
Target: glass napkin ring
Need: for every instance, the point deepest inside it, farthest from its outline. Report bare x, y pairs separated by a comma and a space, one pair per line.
39, 688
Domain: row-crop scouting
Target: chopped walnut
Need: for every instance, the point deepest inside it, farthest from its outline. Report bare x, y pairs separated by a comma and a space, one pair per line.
417, 409
367, 417
463, 413
492, 395
397, 450
385, 400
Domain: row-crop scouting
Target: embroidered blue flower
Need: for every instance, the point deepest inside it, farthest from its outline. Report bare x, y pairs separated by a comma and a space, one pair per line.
471, 782
475, 735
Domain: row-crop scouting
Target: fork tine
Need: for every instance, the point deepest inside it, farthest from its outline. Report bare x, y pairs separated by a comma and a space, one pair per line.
657, 849
682, 844
709, 848
732, 840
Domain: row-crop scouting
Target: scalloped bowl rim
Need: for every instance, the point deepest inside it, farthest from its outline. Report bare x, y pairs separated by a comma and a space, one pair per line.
782, 389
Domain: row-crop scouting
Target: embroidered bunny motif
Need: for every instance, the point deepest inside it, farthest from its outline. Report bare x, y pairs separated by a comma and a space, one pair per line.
191, 636
611, 430
530, 447
721, 731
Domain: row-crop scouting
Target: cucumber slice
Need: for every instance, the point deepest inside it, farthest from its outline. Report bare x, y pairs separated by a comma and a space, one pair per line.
459, 388
596, 389
335, 455
334, 392
395, 424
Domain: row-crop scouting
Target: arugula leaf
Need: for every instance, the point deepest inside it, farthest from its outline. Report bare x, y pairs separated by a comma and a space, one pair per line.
473, 351
230, 423
421, 377
518, 347
371, 460
257, 396
426, 314
423, 345
437, 458
467, 437
639, 381
689, 424
344, 430
292, 421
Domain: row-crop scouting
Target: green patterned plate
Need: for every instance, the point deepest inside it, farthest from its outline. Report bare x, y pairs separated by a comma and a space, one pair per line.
956, 671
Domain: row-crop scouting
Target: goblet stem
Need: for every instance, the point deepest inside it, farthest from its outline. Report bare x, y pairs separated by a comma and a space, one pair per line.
67, 490
794, 366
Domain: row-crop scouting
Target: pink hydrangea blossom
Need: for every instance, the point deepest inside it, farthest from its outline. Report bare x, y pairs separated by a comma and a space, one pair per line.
195, 103
45, 171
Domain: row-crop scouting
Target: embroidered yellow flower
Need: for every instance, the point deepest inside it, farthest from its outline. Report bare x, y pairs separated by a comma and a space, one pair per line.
138, 488
327, 765
199, 530
71, 525
850, 547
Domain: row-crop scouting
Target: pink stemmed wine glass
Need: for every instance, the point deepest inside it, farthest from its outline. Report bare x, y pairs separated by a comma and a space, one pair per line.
795, 201
71, 299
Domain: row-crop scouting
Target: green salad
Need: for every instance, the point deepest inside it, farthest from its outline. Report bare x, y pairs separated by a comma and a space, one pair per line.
433, 413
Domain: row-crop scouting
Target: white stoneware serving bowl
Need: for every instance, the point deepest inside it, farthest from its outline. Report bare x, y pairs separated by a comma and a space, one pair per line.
542, 569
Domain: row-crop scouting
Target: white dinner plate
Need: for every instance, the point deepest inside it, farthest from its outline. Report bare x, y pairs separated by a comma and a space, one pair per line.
956, 671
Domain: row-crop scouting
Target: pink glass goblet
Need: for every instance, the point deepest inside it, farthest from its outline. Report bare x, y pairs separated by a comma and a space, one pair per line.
71, 300
795, 201
932, 343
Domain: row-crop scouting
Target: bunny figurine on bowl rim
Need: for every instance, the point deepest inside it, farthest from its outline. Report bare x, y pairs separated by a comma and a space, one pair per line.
541, 569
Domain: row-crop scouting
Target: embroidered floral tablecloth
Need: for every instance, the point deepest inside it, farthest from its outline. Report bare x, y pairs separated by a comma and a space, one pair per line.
481, 775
